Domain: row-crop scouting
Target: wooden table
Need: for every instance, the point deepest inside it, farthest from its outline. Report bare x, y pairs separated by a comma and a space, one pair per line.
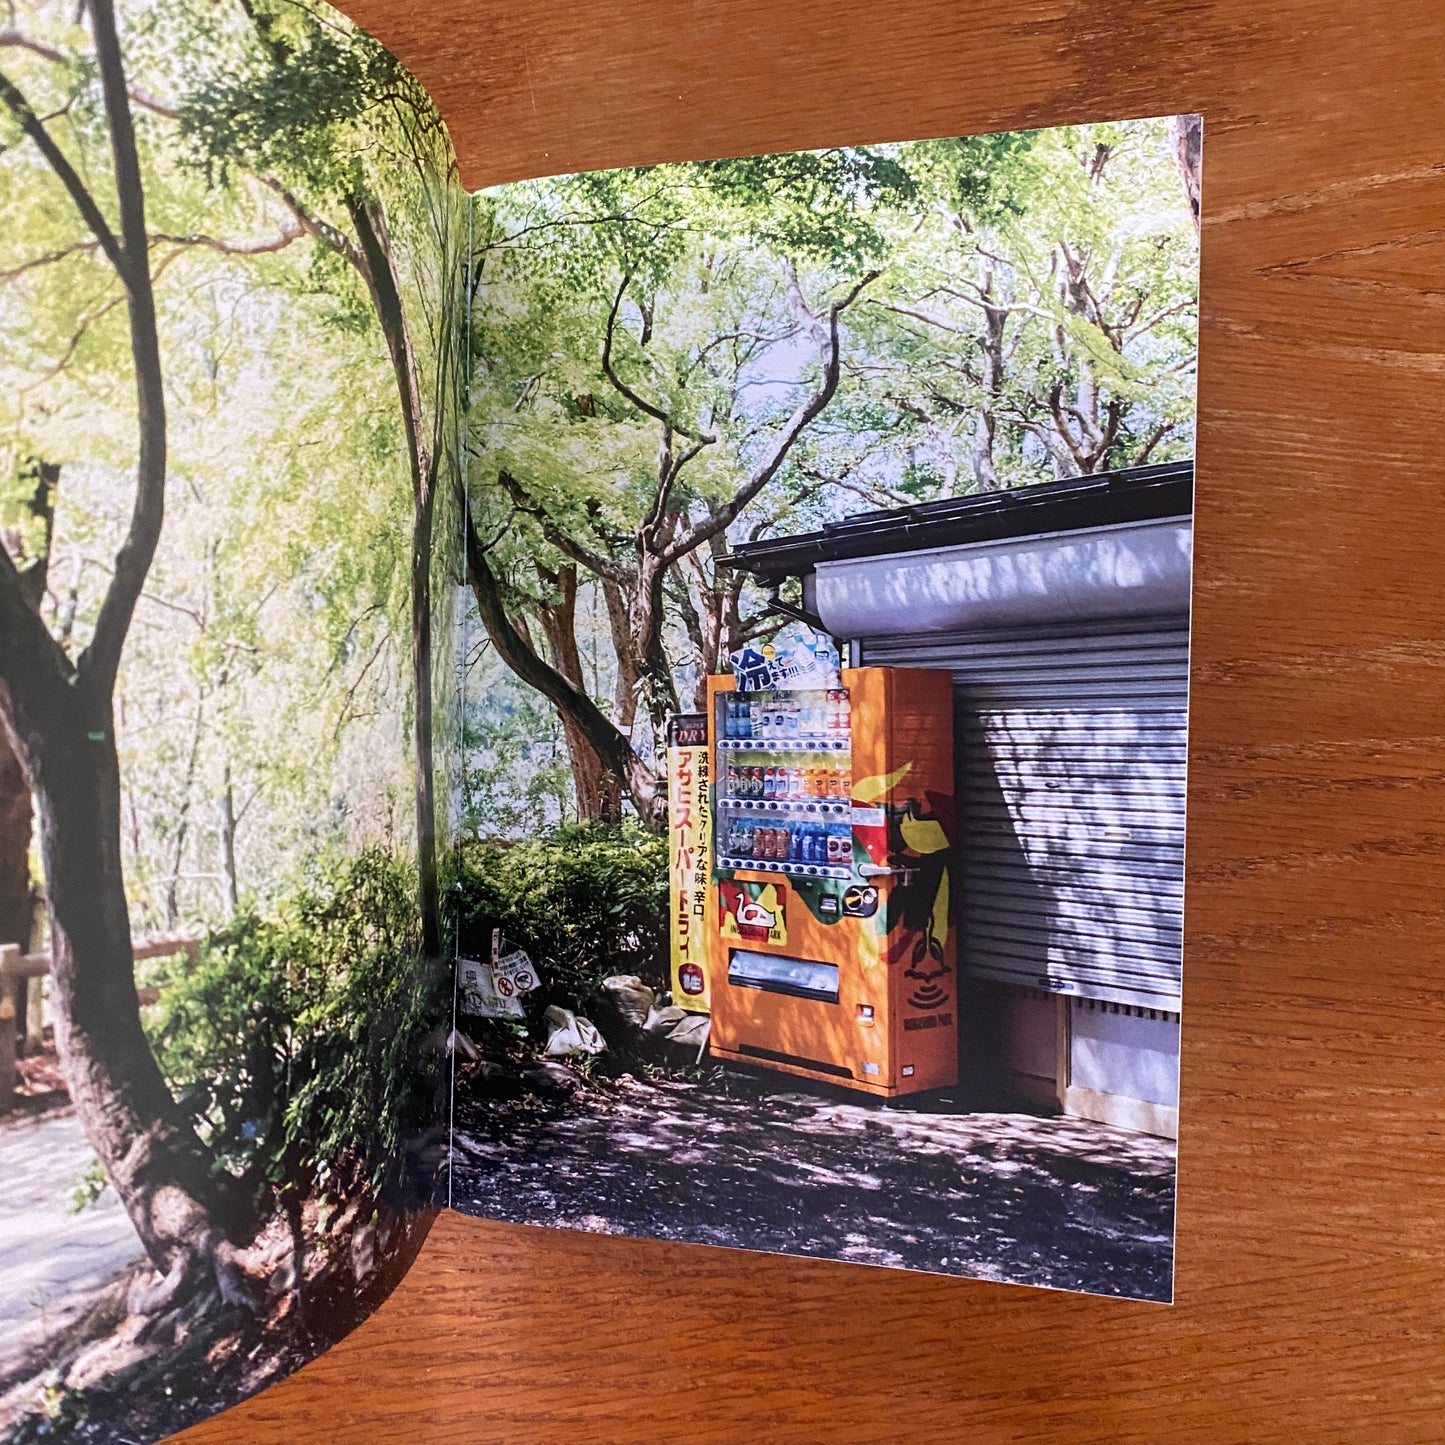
1311, 1254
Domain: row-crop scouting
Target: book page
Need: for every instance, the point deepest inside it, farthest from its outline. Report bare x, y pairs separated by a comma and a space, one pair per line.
829, 549
230, 287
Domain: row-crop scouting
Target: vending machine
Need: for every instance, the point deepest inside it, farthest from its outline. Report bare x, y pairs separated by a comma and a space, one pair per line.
832, 954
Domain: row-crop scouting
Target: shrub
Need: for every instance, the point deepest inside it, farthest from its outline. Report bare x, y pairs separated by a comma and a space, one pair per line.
585, 901
296, 1042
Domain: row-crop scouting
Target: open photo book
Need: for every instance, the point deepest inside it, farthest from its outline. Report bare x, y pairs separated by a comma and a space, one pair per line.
650, 702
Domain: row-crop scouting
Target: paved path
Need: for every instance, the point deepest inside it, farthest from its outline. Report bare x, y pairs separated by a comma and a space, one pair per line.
55, 1266
1059, 1202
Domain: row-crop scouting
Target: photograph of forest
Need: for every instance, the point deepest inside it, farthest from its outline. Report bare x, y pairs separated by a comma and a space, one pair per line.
671, 360
671, 363
229, 294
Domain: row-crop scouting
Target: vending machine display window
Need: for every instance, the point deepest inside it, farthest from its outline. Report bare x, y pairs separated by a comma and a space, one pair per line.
785, 781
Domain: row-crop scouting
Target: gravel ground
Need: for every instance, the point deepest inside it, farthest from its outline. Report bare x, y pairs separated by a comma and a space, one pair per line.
1057, 1202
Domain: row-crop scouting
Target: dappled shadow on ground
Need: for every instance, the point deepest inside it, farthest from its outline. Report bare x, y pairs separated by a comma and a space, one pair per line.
1057, 1202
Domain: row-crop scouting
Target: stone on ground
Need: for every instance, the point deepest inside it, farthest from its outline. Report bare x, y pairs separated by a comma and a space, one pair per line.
570, 1033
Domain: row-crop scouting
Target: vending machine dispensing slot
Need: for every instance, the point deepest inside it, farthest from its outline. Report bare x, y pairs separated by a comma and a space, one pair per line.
797, 977
832, 822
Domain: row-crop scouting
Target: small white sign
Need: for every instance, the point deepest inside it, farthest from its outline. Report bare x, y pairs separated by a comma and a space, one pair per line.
514, 974
480, 994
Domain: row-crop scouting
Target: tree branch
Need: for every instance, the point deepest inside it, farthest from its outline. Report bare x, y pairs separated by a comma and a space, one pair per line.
940, 322
1154, 320
90, 213
523, 501
825, 335
1164, 429
13, 39
291, 230
318, 227
35, 674
669, 468
48, 259
147, 101
82, 326
101, 660
610, 372
602, 736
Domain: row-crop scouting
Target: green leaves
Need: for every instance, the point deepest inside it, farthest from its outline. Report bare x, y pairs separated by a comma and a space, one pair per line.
1035, 316
268, 661
987, 180
296, 1041
585, 901
823, 206
299, 105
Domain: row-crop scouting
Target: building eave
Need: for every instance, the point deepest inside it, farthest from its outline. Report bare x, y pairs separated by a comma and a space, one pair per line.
1135, 494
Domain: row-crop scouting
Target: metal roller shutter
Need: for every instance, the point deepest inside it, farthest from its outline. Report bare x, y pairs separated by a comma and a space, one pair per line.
1071, 776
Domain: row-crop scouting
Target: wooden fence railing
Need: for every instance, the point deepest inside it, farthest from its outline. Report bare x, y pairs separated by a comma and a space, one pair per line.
17, 969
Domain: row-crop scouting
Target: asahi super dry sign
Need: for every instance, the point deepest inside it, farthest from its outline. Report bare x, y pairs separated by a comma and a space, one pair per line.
689, 858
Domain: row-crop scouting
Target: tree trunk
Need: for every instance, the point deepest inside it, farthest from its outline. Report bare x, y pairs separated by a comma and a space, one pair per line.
702, 605
995, 318
16, 900
659, 691
379, 272
423, 518
629, 679
1188, 133
230, 889
615, 750
163, 1174
17, 815
183, 821
596, 791
59, 720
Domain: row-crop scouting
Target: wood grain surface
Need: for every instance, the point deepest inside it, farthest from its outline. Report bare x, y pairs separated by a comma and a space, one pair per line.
1311, 1255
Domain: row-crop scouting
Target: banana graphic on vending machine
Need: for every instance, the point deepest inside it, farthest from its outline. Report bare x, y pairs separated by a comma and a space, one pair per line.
925, 837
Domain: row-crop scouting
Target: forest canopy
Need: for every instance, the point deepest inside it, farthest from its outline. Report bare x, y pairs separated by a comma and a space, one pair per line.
229, 309
263, 706
668, 360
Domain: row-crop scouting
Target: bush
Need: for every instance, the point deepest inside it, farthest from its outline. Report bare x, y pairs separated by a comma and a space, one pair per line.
296, 1042
585, 901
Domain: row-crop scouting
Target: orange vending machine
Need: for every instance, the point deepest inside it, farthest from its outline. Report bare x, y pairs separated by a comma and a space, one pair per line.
832, 954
